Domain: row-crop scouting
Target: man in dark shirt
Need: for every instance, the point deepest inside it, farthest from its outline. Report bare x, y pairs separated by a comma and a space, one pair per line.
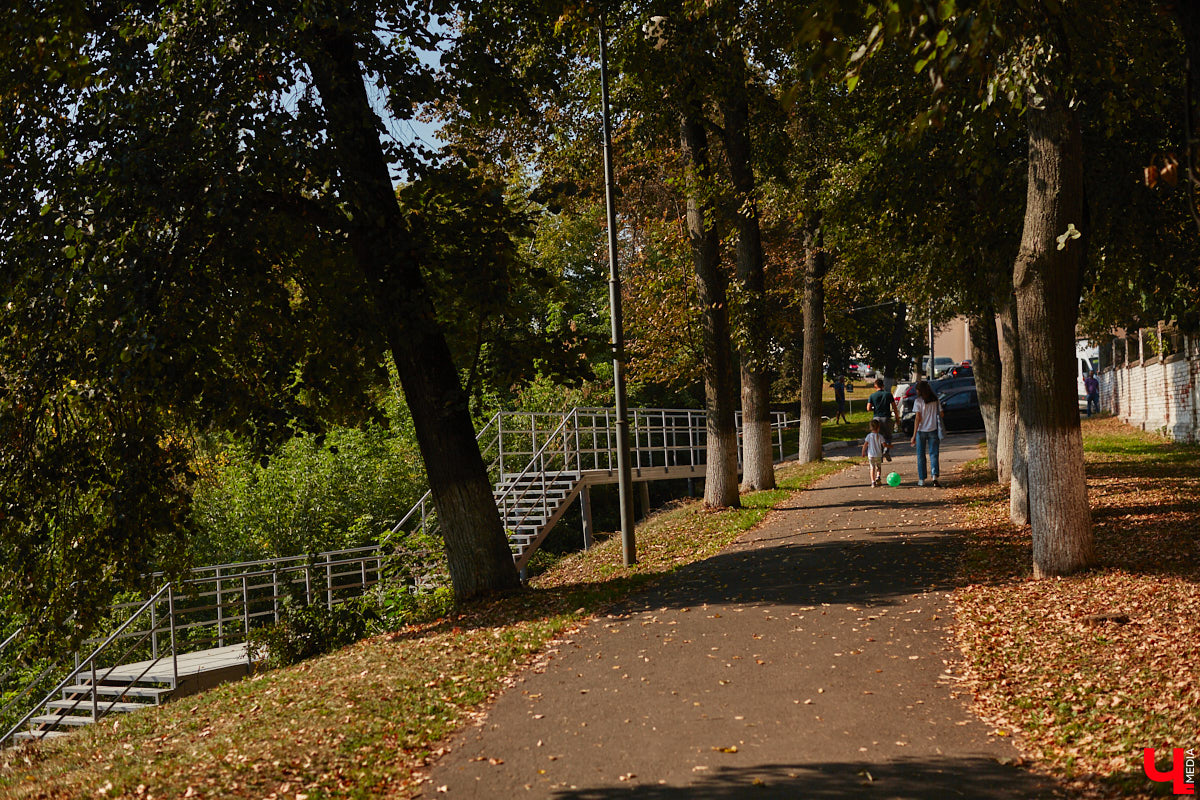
839, 397
883, 408
1092, 387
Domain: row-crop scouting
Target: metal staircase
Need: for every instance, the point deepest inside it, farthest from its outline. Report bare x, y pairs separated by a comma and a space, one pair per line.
188, 636
540, 462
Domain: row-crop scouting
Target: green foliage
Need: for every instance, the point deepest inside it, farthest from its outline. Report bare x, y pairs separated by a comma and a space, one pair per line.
399, 606
313, 629
343, 490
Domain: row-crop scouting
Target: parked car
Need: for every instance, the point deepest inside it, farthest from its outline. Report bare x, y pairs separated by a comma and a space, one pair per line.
860, 370
907, 415
940, 365
960, 409
961, 371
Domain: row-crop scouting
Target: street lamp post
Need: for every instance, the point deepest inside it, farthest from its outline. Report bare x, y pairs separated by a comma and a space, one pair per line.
625, 478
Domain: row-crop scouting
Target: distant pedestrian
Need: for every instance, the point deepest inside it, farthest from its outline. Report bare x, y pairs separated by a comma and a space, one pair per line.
926, 435
873, 449
839, 396
883, 408
1092, 387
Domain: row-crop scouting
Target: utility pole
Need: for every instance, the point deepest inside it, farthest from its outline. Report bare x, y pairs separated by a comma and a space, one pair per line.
625, 476
929, 375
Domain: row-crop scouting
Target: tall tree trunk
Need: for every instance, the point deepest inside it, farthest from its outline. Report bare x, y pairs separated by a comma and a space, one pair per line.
476, 548
758, 461
986, 352
812, 378
1046, 281
1010, 387
720, 390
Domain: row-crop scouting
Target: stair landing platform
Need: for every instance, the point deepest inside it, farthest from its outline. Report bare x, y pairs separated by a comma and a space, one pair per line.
197, 671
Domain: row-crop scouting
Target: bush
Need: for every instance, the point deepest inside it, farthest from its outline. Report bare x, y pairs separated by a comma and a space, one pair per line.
307, 630
311, 496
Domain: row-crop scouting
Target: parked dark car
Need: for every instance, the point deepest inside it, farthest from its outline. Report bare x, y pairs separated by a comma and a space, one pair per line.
960, 408
961, 371
944, 386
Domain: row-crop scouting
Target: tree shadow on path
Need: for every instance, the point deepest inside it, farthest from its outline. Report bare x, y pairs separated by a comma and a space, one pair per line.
900, 779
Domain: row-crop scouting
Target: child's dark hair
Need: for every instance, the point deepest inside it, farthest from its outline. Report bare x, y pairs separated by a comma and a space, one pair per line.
875, 426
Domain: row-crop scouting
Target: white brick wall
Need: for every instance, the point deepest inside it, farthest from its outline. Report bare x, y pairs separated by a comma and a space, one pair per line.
1157, 395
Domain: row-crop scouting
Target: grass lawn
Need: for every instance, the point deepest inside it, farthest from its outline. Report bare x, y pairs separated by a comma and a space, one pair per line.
856, 428
362, 722
1084, 696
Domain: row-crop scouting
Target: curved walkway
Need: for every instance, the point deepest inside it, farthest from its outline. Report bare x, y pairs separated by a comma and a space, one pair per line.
811, 659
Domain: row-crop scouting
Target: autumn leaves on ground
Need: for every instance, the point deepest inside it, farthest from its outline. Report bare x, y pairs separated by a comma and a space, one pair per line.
1084, 672
1089, 670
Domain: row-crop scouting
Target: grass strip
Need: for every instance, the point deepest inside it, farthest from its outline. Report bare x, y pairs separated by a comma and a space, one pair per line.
1084, 693
363, 722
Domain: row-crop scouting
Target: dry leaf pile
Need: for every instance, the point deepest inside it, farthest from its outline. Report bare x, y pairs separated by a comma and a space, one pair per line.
1089, 670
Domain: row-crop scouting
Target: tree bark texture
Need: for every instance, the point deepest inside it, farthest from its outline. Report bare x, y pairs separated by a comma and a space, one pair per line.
985, 348
720, 390
812, 376
1046, 281
758, 460
476, 548
1010, 387
1018, 483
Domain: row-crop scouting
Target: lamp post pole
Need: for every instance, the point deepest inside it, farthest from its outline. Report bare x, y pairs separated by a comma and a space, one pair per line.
625, 477
929, 376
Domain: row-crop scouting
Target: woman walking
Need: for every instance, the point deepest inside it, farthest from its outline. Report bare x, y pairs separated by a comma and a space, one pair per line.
925, 431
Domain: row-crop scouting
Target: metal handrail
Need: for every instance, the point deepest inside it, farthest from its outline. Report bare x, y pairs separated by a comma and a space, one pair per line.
515, 481
90, 660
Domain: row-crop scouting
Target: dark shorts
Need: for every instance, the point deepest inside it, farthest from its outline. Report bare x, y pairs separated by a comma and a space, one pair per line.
885, 428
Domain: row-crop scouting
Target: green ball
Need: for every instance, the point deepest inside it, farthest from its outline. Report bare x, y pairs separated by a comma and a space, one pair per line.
893, 479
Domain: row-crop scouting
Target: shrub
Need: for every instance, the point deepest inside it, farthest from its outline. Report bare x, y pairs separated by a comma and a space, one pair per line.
307, 630
311, 496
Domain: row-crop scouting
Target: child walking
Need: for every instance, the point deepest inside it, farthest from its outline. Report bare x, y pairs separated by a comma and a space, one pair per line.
873, 449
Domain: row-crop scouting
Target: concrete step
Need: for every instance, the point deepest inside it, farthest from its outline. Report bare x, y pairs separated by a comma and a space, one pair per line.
106, 706
533, 477
155, 693
521, 521
61, 720
519, 494
530, 500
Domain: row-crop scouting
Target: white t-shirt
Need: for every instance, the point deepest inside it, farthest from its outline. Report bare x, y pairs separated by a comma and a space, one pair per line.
874, 445
929, 422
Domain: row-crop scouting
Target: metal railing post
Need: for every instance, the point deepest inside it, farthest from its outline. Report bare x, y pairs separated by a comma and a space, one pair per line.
329, 580
154, 631
246, 608
220, 612
275, 592
307, 585
95, 695
608, 445
691, 424
174, 649
246, 622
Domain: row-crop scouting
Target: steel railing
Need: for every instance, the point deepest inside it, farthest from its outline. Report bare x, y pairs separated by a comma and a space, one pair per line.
219, 606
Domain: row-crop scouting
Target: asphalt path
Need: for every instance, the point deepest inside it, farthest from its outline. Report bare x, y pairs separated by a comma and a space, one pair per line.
811, 659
